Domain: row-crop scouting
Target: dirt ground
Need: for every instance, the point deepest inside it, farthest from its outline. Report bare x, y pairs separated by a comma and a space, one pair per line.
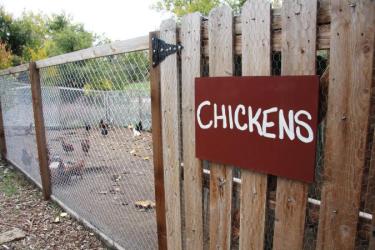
22, 206
117, 173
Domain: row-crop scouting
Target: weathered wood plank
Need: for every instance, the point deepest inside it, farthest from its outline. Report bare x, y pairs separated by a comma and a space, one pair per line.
322, 19
171, 138
157, 149
298, 58
323, 31
322, 40
220, 33
256, 60
40, 130
190, 68
16, 69
118, 47
370, 195
351, 62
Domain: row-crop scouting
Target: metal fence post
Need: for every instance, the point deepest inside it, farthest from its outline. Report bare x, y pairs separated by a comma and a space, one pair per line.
40, 130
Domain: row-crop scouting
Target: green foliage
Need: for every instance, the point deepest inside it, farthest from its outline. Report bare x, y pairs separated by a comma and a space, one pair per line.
5, 57
183, 7
66, 36
104, 84
36, 36
7, 183
117, 72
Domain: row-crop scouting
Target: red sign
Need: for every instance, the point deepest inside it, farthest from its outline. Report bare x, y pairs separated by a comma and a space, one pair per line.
266, 124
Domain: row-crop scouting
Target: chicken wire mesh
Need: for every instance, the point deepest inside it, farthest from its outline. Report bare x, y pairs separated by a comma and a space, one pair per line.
98, 119
18, 120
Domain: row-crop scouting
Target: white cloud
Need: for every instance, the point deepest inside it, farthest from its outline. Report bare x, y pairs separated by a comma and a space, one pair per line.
118, 20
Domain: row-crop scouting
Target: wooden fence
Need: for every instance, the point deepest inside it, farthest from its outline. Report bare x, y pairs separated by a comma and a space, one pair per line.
342, 212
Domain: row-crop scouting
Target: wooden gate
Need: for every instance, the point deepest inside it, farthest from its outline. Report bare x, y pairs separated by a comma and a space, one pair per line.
200, 204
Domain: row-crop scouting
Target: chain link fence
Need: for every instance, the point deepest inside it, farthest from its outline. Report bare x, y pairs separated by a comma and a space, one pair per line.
18, 120
97, 116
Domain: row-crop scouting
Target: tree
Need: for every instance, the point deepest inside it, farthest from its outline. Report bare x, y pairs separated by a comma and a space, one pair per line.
67, 36
5, 57
36, 36
183, 7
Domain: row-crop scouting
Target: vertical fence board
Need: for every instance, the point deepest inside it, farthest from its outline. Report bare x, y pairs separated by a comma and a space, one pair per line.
41, 141
3, 148
256, 60
351, 60
157, 149
298, 58
370, 195
190, 68
170, 136
220, 35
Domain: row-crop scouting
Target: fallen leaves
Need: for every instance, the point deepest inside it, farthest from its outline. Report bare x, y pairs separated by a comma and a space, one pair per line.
57, 219
63, 215
36, 217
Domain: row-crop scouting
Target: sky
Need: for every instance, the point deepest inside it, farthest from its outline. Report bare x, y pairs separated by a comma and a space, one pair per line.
117, 19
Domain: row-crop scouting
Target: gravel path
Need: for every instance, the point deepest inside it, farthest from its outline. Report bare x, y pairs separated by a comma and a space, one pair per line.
44, 223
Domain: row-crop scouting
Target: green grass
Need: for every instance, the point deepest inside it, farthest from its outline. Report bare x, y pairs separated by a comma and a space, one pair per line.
8, 183
137, 86
11, 181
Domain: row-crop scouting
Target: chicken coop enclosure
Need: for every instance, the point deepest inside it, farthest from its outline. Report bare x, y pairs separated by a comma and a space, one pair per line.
96, 111
109, 133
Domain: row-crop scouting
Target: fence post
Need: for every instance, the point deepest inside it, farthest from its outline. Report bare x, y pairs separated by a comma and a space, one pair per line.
157, 149
40, 130
3, 148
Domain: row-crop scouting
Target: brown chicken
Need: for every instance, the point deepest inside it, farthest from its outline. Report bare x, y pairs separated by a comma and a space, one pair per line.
75, 169
85, 144
103, 127
67, 146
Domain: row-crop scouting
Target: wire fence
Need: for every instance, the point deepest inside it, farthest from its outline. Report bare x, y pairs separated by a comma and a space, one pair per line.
97, 116
18, 123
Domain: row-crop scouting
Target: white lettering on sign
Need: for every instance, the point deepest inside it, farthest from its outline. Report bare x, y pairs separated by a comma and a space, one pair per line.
201, 125
293, 126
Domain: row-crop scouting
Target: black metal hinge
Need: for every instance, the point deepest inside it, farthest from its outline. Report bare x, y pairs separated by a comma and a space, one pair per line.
161, 49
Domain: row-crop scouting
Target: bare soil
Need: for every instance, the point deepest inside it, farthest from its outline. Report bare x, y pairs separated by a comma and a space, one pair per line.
117, 173
22, 206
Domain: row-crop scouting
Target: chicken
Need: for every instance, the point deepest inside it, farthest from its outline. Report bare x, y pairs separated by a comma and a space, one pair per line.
103, 127
26, 157
29, 129
137, 129
87, 127
67, 147
57, 170
139, 126
75, 169
136, 132
85, 144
